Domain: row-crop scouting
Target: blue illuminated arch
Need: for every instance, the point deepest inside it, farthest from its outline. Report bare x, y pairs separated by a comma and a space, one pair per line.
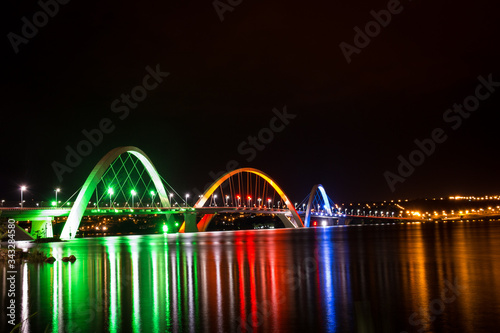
327, 206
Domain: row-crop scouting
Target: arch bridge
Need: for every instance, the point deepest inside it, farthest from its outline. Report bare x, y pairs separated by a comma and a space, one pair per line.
123, 170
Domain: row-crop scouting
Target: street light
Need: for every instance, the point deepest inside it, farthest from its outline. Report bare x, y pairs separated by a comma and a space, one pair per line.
215, 200
110, 192
57, 190
227, 200
187, 196
269, 203
152, 198
249, 200
259, 200
239, 203
171, 196
23, 188
133, 195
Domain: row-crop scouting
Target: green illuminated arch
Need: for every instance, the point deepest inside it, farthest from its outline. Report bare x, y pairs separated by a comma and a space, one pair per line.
80, 205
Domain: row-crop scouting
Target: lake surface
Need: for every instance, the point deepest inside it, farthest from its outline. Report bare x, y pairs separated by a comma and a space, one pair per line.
397, 278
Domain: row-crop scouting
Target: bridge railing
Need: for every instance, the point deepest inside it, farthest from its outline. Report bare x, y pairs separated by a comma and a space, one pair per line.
125, 208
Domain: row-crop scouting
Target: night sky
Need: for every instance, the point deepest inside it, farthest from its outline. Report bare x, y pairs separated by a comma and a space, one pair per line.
352, 120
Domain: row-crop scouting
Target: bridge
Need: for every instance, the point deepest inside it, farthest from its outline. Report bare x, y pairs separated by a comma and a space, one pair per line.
127, 174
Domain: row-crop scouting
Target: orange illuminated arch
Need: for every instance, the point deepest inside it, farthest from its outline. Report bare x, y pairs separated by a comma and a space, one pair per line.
297, 222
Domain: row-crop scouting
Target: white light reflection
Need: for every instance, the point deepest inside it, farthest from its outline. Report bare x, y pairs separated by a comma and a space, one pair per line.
155, 291
25, 304
190, 285
113, 291
167, 285
60, 301
135, 276
69, 302
230, 262
204, 289
217, 258
55, 289
175, 288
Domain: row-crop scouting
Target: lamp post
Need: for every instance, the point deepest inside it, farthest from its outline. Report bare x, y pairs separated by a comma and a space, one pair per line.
23, 188
152, 198
57, 190
215, 200
187, 196
133, 195
259, 200
227, 200
249, 200
239, 202
269, 203
110, 192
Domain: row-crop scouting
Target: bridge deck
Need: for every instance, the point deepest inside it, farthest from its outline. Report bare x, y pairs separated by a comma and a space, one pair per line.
34, 213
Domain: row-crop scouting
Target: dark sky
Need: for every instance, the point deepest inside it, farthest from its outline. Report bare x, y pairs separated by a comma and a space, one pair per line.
352, 120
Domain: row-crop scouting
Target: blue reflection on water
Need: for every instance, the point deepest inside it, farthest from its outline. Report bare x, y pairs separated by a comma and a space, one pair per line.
326, 271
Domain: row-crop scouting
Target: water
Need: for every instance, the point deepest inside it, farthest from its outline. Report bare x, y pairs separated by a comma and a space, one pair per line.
414, 278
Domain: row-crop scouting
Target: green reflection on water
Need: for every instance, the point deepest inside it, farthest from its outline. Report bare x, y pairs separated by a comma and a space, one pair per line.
114, 289
136, 326
167, 284
55, 298
178, 299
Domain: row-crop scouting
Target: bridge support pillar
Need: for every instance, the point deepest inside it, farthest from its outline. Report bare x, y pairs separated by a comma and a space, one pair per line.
42, 228
286, 221
205, 221
190, 222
